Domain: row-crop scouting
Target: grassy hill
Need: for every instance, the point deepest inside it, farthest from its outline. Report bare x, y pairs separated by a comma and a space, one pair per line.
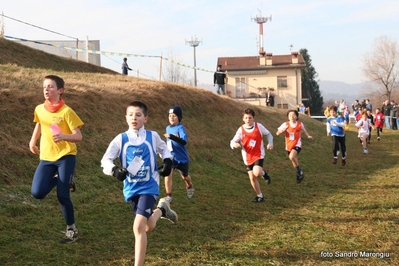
349, 209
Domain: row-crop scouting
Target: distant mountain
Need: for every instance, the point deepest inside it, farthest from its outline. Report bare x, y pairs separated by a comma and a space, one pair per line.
336, 90
330, 90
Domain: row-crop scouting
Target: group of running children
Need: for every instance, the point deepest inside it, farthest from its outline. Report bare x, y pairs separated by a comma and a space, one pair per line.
58, 127
338, 122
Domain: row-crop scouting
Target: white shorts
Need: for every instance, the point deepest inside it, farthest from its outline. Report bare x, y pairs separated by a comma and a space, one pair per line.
363, 135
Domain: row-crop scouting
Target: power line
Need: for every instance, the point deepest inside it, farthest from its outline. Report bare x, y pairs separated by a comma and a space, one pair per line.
39, 27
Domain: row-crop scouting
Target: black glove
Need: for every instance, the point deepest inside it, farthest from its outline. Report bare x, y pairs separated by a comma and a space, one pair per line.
166, 167
119, 173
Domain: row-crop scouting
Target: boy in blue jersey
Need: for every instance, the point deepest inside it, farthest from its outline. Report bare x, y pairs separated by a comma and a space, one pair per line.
176, 138
137, 149
335, 128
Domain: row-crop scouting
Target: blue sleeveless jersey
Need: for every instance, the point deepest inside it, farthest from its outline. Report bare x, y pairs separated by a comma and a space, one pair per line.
146, 180
179, 152
336, 130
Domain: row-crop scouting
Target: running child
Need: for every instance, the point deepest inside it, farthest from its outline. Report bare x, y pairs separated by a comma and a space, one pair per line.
249, 137
293, 141
176, 140
58, 127
379, 122
370, 117
137, 149
335, 129
363, 132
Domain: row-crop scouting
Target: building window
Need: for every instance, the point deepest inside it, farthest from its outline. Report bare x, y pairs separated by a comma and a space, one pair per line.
282, 83
241, 87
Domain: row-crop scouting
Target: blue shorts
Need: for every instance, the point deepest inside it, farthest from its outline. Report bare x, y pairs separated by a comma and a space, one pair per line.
143, 204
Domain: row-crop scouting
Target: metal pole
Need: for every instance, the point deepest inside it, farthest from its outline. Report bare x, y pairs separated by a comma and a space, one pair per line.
195, 70
77, 47
160, 69
194, 43
87, 49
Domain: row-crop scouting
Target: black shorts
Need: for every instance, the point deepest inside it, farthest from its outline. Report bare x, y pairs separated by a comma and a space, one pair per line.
182, 167
298, 150
258, 163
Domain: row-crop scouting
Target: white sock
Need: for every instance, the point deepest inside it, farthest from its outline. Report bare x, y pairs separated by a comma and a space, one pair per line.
260, 195
72, 226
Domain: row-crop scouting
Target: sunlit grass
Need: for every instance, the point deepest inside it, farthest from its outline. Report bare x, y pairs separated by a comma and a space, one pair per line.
336, 209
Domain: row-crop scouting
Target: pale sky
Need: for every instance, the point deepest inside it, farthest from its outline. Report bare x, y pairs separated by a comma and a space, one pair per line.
336, 33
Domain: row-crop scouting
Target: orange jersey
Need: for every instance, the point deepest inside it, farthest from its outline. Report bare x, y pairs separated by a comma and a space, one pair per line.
293, 135
252, 143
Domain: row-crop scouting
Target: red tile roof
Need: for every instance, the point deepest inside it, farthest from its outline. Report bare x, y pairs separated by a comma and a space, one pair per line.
252, 62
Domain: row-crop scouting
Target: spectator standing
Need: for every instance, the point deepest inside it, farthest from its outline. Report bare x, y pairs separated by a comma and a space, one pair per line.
386, 111
369, 106
269, 99
396, 114
220, 79
393, 115
356, 107
125, 66
327, 112
302, 108
341, 107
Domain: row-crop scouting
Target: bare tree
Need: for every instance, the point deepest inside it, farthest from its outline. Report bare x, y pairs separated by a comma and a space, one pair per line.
381, 66
174, 72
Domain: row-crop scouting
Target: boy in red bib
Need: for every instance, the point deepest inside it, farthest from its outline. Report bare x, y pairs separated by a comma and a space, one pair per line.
249, 137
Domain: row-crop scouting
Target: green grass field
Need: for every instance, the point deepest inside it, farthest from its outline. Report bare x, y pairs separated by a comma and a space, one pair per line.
336, 216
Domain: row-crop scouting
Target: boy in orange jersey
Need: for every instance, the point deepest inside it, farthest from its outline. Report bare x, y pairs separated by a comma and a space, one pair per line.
293, 142
250, 138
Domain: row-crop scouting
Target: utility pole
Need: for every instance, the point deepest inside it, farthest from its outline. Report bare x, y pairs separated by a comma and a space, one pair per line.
194, 43
261, 20
87, 49
2, 25
160, 69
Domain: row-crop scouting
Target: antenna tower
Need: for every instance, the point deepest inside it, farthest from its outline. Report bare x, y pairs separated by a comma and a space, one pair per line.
261, 20
194, 43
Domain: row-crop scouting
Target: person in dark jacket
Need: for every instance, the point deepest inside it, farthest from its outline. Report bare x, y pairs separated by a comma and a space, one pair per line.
386, 110
393, 113
220, 79
356, 107
125, 66
269, 99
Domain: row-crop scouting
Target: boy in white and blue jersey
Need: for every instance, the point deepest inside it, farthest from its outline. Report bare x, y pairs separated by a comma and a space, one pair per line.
137, 149
176, 138
335, 128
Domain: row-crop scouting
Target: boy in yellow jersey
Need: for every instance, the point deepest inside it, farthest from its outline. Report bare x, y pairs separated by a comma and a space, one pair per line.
58, 127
